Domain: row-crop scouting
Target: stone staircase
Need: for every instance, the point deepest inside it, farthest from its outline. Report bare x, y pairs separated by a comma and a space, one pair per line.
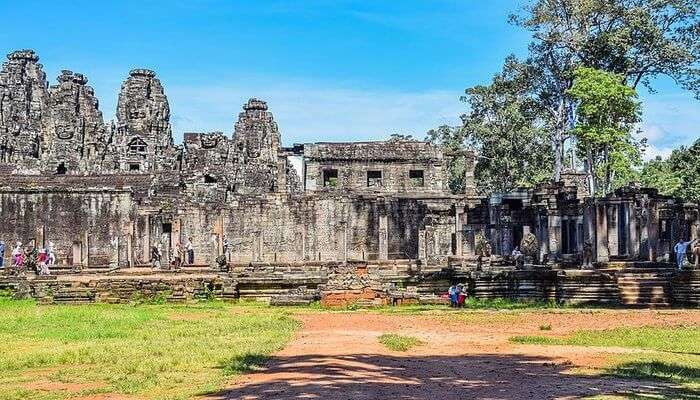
645, 287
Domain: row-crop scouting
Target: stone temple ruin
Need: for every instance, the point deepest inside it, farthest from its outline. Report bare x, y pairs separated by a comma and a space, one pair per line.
372, 222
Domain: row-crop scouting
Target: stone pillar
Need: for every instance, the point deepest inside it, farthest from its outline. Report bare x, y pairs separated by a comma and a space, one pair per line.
602, 253
146, 238
459, 227
653, 231
383, 237
85, 251
589, 227
554, 235
613, 221
633, 236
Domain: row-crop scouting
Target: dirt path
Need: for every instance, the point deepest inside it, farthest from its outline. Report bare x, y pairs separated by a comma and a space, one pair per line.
337, 356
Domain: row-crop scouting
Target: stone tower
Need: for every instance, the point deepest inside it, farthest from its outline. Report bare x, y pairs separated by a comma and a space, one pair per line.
76, 138
256, 143
24, 100
142, 139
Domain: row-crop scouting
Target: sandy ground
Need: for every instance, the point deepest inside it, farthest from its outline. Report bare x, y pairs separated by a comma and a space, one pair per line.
465, 356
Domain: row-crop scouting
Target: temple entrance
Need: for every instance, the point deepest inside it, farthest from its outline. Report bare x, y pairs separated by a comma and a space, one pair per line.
165, 242
622, 230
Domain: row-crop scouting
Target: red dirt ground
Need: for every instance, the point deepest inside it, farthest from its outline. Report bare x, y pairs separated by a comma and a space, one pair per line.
467, 355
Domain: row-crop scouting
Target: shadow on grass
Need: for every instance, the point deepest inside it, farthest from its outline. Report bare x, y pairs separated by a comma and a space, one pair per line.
243, 363
657, 370
485, 376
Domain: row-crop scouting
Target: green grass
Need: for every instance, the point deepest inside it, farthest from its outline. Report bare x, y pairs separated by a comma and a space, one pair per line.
672, 354
396, 342
681, 339
148, 351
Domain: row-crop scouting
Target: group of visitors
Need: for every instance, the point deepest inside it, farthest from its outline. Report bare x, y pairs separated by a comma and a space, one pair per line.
182, 255
24, 256
457, 294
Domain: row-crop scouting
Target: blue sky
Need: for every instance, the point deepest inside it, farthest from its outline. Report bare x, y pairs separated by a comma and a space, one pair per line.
330, 70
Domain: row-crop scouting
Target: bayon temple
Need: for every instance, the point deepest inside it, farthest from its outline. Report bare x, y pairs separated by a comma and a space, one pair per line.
369, 221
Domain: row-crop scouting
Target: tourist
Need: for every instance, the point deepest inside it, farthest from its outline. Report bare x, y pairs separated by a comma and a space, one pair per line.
179, 255
461, 295
452, 292
587, 254
681, 248
2, 254
190, 251
17, 254
696, 254
42, 262
226, 247
517, 257
155, 257
51, 255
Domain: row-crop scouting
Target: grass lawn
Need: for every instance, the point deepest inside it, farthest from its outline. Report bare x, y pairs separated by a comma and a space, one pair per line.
396, 342
148, 351
672, 353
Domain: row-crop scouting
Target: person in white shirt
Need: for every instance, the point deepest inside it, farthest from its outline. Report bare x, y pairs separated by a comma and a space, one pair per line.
190, 251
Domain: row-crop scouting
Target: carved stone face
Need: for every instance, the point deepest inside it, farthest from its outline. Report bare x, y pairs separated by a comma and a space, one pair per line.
254, 140
65, 134
209, 142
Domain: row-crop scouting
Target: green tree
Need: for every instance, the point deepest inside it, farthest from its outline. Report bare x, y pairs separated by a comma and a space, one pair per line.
638, 39
685, 164
658, 174
505, 128
607, 110
452, 141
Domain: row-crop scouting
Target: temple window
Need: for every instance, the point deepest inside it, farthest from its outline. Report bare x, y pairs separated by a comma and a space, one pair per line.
374, 179
415, 176
210, 179
61, 169
330, 177
134, 167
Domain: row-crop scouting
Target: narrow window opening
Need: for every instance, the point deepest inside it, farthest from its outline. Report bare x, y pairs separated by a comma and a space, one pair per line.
330, 178
134, 167
374, 178
61, 169
416, 177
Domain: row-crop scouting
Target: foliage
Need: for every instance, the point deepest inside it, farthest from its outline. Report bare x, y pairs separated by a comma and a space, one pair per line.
504, 121
657, 173
607, 110
638, 39
396, 342
400, 137
452, 141
678, 175
144, 351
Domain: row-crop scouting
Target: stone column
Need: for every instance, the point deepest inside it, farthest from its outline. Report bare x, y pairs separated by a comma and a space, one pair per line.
602, 253
554, 235
145, 253
458, 231
589, 227
383, 237
613, 221
633, 236
653, 230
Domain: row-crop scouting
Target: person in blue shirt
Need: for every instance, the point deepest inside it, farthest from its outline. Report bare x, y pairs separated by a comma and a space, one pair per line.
680, 249
2, 254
